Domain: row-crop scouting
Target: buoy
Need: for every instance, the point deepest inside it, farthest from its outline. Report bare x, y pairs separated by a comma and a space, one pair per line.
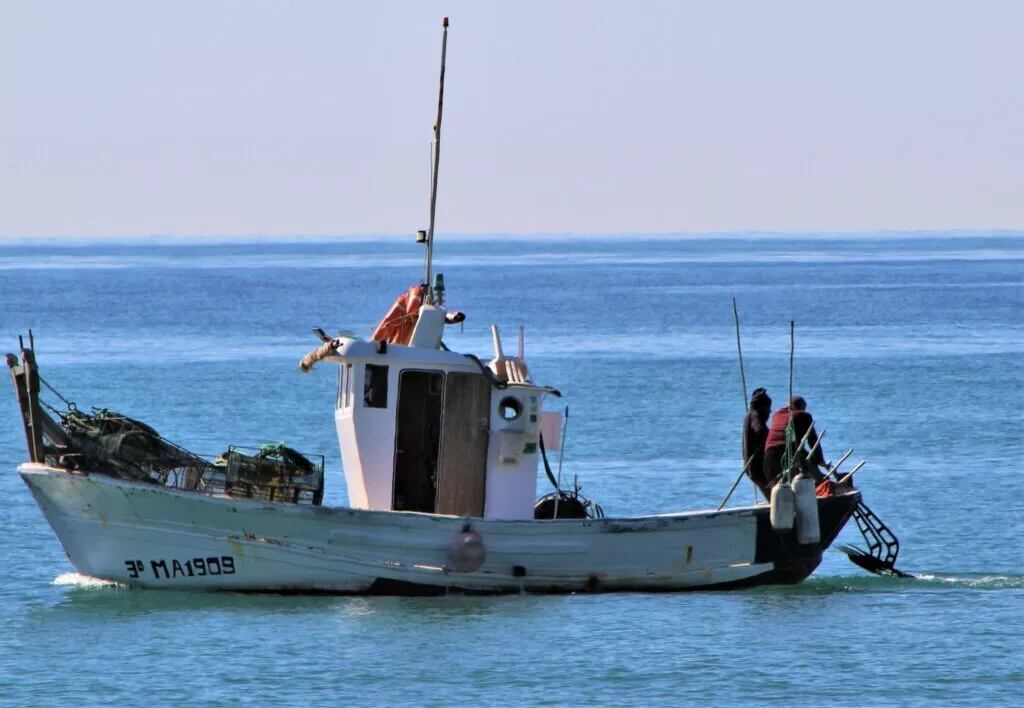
466, 553
808, 530
782, 508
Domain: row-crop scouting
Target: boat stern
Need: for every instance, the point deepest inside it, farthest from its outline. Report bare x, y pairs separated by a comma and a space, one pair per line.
794, 562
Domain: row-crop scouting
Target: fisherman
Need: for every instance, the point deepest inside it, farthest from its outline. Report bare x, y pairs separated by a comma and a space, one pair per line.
775, 444
755, 431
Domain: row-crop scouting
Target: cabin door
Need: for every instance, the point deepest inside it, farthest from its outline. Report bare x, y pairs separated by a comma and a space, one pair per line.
463, 467
417, 440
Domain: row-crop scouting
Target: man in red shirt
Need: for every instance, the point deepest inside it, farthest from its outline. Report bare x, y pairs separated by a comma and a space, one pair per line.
775, 443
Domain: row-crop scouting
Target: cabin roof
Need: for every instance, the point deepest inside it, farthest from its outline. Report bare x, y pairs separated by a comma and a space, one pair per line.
352, 350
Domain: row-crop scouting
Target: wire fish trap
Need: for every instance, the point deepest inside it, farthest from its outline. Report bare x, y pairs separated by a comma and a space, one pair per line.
274, 473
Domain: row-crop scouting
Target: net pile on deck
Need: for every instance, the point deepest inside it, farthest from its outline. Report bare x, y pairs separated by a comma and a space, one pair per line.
110, 443
107, 442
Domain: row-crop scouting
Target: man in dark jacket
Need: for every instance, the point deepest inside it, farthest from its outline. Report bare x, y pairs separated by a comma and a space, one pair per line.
775, 444
755, 432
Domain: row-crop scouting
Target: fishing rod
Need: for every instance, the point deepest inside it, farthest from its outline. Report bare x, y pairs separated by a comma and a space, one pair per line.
817, 444
852, 472
735, 484
834, 467
746, 408
792, 348
739, 349
790, 428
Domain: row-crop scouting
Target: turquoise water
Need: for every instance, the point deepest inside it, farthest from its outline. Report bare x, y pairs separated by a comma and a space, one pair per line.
909, 349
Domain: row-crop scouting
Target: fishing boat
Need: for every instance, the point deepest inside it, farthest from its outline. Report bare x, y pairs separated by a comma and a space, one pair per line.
441, 454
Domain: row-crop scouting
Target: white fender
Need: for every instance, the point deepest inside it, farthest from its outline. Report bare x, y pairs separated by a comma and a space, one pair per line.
782, 508
808, 529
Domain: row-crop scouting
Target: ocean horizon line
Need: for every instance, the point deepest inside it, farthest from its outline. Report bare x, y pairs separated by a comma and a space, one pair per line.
68, 240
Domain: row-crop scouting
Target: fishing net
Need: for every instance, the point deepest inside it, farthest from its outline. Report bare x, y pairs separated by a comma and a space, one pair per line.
109, 443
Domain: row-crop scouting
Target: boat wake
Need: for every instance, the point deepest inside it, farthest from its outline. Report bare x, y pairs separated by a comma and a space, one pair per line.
77, 580
821, 585
974, 581
924, 581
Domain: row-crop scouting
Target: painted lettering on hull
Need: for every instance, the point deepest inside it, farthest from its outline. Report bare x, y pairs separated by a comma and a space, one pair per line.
163, 569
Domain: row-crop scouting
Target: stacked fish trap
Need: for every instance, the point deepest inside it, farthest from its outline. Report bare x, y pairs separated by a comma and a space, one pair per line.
274, 473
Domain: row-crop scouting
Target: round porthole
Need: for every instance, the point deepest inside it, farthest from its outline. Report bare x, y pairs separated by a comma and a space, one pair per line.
510, 408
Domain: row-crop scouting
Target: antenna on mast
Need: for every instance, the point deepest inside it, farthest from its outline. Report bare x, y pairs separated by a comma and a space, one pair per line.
430, 296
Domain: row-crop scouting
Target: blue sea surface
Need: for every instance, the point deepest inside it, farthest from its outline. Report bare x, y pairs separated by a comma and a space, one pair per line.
909, 349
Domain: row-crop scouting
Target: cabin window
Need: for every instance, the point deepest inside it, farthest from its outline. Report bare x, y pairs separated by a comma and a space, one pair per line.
510, 408
342, 381
344, 386
375, 386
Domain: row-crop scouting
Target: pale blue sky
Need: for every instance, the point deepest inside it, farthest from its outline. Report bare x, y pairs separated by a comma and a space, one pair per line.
245, 118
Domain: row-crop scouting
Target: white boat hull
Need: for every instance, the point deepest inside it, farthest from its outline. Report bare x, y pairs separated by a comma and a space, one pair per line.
152, 536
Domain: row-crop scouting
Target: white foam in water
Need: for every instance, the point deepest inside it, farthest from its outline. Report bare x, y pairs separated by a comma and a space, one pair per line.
982, 582
82, 581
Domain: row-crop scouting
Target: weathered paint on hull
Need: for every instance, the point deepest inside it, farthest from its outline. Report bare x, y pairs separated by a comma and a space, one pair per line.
156, 537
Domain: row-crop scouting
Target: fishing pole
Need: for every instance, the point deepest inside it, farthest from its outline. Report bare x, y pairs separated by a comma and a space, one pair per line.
739, 350
790, 428
834, 468
852, 472
746, 403
735, 484
817, 444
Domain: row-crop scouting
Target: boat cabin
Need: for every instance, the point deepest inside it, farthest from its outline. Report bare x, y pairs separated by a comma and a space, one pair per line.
425, 429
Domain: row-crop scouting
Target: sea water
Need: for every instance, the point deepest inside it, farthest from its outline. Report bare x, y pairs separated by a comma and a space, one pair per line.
908, 349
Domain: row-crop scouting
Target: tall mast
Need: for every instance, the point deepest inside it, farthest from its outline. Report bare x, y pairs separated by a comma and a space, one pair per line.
437, 160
